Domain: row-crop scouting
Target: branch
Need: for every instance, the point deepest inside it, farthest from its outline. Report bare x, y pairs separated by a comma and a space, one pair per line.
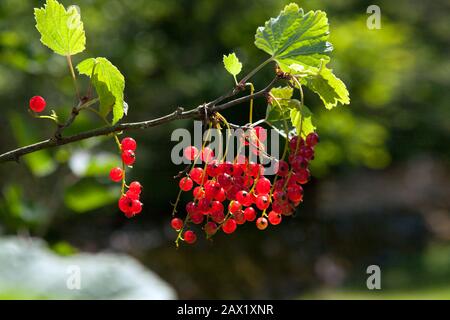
195, 113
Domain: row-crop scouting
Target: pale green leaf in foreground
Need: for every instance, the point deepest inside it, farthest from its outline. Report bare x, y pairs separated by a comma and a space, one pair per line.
232, 64
329, 88
295, 37
109, 84
301, 119
61, 30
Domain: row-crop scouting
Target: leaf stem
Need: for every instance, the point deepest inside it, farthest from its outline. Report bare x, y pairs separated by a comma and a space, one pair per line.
254, 71
74, 77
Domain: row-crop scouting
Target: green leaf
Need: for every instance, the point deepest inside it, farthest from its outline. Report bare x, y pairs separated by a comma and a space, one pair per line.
61, 30
232, 64
88, 195
301, 119
329, 87
109, 84
296, 38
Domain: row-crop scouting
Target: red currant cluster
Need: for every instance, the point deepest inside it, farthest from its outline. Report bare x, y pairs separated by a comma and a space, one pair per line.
227, 194
129, 202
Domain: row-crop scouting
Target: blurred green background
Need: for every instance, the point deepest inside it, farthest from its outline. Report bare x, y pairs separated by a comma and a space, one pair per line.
381, 188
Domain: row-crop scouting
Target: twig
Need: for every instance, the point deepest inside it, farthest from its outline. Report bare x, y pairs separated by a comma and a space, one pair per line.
195, 113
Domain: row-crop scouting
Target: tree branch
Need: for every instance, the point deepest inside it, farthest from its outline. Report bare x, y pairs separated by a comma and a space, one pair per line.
195, 113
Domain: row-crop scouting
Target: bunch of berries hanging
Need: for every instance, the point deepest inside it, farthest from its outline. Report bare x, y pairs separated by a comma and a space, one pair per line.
227, 194
129, 202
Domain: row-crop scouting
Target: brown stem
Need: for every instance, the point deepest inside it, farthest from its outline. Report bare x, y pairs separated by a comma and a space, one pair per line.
196, 113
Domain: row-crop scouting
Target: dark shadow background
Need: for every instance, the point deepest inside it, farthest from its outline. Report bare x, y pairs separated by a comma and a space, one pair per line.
381, 188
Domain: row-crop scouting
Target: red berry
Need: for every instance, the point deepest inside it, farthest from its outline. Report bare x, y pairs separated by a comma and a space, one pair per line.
216, 207
196, 217
210, 228
244, 197
239, 217
283, 168
295, 193
262, 202
295, 144
250, 214
190, 153
312, 139
135, 187
176, 224
198, 192
186, 184
128, 157
196, 174
234, 206
261, 223
221, 196
128, 144
190, 237
136, 207
207, 154
191, 207
229, 226
132, 195
263, 186
116, 174
212, 188
274, 218
307, 152
217, 216
302, 176
125, 204
37, 104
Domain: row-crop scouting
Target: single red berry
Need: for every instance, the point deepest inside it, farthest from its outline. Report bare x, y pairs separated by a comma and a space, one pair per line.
210, 228
261, 223
135, 187
250, 214
190, 153
234, 206
176, 224
196, 217
217, 216
136, 207
229, 226
37, 104
198, 192
216, 206
283, 168
116, 174
295, 144
207, 154
212, 169
302, 176
125, 204
132, 195
262, 202
128, 157
295, 193
263, 186
212, 188
274, 218
197, 175
186, 184
244, 197
204, 205
307, 152
312, 139
221, 195
128, 144
190, 237
239, 217
191, 207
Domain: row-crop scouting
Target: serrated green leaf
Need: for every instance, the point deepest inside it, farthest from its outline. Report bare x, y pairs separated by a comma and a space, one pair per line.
232, 64
330, 88
294, 37
301, 119
282, 93
109, 84
61, 30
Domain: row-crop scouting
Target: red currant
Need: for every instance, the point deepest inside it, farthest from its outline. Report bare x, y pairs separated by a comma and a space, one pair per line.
135, 187
207, 154
133, 196
250, 214
274, 218
263, 186
116, 174
229, 226
262, 202
176, 224
37, 104
190, 237
186, 184
234, 206
128, 157
312, 139
244, 197
261, 223
128, 144
196, 174
190, 153
239, 217
210, 228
